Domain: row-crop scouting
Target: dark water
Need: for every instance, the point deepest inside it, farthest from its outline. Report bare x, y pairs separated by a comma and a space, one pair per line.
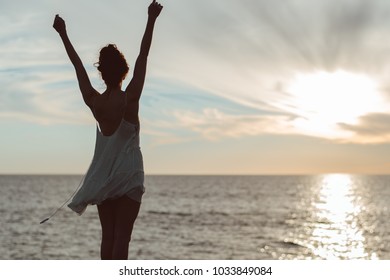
208, 217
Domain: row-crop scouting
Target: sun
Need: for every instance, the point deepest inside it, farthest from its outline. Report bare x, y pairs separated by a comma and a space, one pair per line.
325, 99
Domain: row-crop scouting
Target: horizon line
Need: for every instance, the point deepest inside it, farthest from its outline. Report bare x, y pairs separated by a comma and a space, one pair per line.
208, 174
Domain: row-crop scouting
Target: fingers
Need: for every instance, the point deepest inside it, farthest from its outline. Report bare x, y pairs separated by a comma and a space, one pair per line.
156, 3
59, 24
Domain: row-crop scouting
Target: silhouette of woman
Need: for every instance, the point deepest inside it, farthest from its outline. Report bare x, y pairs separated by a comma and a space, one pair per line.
114, 180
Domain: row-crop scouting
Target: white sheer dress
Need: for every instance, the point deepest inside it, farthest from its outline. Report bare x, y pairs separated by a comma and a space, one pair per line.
116, 169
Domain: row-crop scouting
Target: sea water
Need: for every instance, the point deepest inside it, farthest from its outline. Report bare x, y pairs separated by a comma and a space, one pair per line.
336, 216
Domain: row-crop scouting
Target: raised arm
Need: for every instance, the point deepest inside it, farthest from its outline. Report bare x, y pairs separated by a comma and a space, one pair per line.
134, 89
86, 88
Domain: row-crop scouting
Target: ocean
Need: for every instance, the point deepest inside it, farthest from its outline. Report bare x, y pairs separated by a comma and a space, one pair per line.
335, 216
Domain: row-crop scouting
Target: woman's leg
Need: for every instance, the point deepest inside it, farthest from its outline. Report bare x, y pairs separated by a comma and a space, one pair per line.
106, 215
126, 211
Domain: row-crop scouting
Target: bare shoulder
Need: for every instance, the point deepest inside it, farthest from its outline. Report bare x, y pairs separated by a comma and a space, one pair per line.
131, 111
91, 97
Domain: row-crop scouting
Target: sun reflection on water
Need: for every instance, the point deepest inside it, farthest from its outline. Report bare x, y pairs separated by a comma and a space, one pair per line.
337, 233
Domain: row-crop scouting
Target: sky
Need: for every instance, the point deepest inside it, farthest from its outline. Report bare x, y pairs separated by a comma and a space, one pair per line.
233, 87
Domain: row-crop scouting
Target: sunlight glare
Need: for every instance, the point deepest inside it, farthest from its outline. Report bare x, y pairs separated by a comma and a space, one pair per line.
337, 234
324, 99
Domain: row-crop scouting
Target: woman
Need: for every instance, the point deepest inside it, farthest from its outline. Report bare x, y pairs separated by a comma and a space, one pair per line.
114, 180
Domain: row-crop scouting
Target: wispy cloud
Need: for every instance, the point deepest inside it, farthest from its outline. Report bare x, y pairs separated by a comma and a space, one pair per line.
242, 52
248, 52
372, 128
213, 124
42, 97
38, 82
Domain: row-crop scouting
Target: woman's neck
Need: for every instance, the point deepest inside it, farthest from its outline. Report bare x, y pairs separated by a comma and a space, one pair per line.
114, 88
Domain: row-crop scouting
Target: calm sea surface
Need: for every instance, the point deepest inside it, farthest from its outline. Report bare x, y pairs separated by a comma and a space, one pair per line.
208, 217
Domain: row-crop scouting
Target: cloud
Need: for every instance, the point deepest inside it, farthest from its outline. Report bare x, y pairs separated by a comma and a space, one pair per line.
38, 81
242, 52
161, 133
372, 128
213, 124
42, 97
248, 52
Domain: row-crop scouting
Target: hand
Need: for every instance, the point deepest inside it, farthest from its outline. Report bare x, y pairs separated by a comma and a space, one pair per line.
59, 25
154, 9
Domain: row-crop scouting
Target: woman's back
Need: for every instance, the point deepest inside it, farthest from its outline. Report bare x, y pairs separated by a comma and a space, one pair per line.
108, 110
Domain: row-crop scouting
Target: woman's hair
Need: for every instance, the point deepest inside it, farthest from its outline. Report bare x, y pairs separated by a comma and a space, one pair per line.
112, 65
